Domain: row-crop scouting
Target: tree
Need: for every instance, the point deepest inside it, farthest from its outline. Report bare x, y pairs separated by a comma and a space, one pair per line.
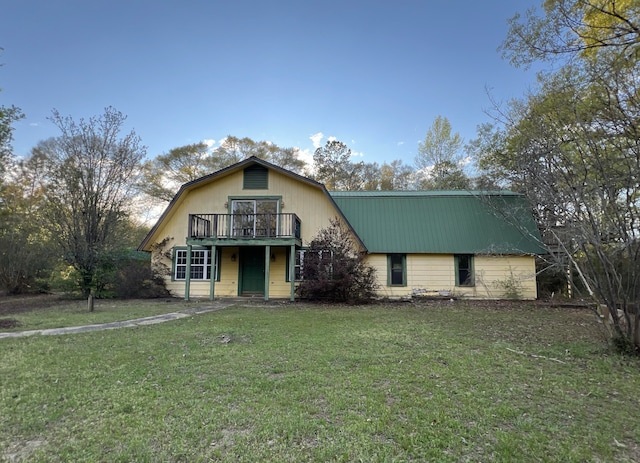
8, 115
27, 249
572, 147
163, 175
396, 176
234, 149
19, 262
439, 158
574, 29
334, 269
332, 166
371, 176
91, 176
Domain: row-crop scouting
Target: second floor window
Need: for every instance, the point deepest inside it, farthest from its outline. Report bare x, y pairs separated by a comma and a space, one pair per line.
254, 217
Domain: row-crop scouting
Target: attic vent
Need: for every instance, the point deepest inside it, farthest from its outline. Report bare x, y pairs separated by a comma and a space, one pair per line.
256, 178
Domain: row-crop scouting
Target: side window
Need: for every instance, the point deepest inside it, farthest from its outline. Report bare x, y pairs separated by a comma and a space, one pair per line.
396, 270
464, 270
317, 262
299, 264
200, 264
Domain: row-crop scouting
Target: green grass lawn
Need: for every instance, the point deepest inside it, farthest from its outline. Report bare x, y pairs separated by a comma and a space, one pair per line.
74, 312
295, 382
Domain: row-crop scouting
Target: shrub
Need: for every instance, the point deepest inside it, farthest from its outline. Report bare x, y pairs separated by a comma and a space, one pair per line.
334, 268
128, 274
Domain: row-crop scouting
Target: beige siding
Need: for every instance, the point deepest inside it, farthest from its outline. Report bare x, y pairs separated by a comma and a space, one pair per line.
229, 276
309, 202
434, 274
495, 275
278, 286
428, 274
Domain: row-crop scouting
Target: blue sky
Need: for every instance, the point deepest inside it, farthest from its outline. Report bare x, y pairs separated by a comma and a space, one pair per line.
372, 74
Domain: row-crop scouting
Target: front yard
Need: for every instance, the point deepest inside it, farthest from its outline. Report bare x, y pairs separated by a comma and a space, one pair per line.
297, 382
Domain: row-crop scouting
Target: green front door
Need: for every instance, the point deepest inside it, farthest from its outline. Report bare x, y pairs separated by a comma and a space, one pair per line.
252, 270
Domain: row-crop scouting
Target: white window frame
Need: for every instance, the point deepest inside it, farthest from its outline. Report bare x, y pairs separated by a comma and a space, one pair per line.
200, 265
298, 266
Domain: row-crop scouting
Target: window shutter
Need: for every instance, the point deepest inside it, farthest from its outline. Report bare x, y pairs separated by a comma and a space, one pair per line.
256, 177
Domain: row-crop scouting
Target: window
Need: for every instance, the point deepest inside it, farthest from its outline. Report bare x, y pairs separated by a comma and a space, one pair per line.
319, 263
464, 270
297, 266
397, 270
254, 217
256, 177
200, 264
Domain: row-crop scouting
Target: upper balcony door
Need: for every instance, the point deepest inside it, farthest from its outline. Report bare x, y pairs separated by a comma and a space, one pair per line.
254, 217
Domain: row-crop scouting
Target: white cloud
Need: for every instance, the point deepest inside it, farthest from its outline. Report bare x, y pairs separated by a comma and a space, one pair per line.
307, 156
209, 142
400, 143
465, 161
316, 138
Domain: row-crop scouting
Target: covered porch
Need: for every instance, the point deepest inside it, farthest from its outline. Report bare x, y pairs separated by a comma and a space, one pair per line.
253, 253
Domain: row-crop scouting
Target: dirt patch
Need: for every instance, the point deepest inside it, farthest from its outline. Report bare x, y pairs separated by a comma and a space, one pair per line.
10, 305
6, 323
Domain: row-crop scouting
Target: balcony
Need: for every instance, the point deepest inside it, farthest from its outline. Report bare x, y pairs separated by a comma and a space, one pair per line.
214, 227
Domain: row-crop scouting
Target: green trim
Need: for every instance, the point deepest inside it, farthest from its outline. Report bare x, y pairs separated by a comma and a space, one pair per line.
291, 269
403, 263
218, 254
212, 281
250, 197
471, 270
255, 177
287, 270
187, 274
291, 266
267, 270
231, 199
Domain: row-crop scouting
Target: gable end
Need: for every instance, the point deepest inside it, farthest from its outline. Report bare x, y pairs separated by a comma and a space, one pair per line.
256, 177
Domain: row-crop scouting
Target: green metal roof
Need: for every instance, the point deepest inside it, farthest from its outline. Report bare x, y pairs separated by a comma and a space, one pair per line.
441, 222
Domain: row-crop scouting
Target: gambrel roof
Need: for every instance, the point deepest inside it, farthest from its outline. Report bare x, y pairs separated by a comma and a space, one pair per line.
230, 170
441, 222
425, 222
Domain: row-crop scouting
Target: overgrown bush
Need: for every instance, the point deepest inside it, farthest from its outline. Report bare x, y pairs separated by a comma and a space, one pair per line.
26, 258
551, 281
124, 274
136, 280
334, 268
128, 274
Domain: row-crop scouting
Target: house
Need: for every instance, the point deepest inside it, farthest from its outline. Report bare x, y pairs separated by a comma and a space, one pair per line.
243, 231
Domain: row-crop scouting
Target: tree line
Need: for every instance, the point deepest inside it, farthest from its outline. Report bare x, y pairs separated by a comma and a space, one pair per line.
70, 207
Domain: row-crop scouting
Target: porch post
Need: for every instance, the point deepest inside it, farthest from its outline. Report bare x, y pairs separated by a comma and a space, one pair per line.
267, 263
212, 277
292, 272
187, 277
